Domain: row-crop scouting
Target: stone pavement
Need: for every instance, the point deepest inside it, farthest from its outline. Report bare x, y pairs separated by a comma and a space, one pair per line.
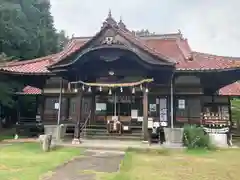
83, 168
119, 144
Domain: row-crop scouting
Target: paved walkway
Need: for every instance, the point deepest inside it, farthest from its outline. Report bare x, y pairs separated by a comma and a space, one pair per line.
83, 168
118, 144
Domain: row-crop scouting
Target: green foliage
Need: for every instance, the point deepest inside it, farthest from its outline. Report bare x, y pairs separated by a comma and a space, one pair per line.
7, 89
26, 32
195, 137
235, 109
62, 39
27, 29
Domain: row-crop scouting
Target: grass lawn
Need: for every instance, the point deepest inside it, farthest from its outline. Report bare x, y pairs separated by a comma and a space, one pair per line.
26, 161
191, 165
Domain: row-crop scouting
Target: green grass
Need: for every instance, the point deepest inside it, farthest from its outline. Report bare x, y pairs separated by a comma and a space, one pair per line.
178, 165
7, 134
26, 161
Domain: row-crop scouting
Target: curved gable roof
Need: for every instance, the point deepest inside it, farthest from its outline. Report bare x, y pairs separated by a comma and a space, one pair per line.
171, 47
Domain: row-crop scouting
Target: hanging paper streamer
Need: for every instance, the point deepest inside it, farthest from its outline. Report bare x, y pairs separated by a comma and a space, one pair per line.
114, 84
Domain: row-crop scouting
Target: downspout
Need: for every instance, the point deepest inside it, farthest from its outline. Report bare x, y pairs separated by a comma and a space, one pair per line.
60, 103
172, 101
115, 105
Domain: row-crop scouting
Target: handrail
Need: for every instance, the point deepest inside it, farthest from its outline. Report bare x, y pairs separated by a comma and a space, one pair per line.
86, 121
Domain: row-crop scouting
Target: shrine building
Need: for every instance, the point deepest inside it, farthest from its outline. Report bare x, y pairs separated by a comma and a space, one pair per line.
132, 78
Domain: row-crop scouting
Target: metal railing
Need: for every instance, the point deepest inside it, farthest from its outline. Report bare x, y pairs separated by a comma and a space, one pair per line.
83, 129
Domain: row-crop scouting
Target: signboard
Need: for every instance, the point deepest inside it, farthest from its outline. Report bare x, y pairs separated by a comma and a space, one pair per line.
56, 106
101, 106
163, 109
216, 131
152, 107
134, 113
181, 104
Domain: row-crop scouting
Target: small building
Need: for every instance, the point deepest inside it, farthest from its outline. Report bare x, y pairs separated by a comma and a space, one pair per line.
124, 81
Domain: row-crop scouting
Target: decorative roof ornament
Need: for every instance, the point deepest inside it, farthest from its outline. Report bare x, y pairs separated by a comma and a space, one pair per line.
109, 20
121, 24
180, 33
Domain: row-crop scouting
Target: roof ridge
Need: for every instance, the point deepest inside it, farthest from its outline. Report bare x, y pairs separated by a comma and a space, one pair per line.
29, 61
214, 55
147, 47
69, 49
178, 41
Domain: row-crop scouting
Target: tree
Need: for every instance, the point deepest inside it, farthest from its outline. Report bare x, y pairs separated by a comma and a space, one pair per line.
26, 32
62, 39
27, 29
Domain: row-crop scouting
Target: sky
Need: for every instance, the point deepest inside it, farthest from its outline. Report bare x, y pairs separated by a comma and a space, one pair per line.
211, 26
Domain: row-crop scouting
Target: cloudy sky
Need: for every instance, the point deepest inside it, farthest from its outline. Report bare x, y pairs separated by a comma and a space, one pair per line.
211, 26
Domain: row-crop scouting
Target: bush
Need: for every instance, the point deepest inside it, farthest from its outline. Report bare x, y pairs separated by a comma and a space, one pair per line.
195, 137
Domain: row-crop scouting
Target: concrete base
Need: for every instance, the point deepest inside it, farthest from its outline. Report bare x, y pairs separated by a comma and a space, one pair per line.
173, 135
76, 141
54, 130
219, 140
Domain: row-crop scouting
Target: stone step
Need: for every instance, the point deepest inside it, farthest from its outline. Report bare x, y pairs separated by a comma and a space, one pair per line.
113, 137
91, 126
99, 132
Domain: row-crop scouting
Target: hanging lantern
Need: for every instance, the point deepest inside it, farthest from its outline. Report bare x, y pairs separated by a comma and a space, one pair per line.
83, 88
75, 90
147, 90
89, 89
133, 90
110, 92
121, 89
141, 87
100, 88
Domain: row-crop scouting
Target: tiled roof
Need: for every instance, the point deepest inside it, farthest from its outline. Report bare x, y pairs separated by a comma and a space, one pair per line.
231, 89
173, 48
29, 90
204, 62
35, 66
40, 65
187, 59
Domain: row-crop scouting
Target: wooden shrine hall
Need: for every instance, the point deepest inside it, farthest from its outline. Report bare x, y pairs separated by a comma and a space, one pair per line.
122, 82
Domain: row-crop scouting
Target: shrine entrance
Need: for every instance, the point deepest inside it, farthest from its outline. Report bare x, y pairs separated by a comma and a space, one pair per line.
118, 106
117, 74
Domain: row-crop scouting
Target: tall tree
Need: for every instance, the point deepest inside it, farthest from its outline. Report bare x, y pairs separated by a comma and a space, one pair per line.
62, 39
27, 29
26, 32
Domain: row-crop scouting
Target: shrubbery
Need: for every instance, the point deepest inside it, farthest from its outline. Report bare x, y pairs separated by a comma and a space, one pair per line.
195, 137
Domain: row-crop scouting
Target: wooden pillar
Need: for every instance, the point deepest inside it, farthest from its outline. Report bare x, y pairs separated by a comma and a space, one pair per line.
67, 110
145, 116
93, 104
60, 102
77, 131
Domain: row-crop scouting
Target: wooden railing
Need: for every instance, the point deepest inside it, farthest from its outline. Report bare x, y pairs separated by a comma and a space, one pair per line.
84, 126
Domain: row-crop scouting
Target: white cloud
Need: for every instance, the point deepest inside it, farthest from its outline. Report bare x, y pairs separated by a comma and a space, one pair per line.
210, 26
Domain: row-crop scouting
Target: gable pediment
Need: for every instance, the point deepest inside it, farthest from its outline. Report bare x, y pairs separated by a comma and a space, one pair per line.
112, 37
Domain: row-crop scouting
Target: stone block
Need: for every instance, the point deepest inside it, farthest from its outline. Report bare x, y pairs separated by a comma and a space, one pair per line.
219, 140
173, 135
53, 130
45, 141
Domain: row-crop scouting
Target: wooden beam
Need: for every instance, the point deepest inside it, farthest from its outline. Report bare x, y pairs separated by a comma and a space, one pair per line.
79, 115
145, 116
